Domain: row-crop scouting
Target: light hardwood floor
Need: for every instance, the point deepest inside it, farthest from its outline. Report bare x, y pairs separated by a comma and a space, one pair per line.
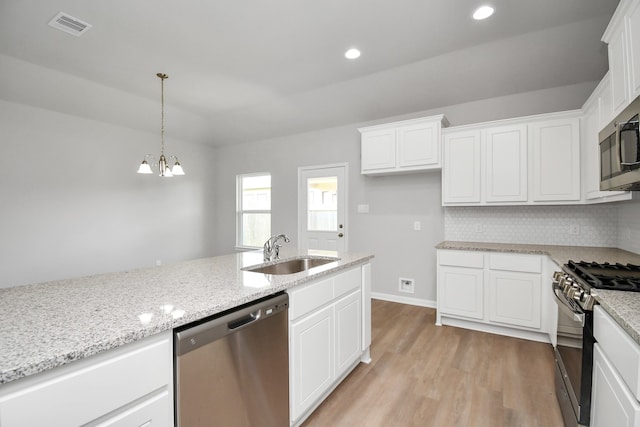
425, 375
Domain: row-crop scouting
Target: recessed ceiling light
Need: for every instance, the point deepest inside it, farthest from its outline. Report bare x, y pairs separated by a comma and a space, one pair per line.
483, 12
352, 53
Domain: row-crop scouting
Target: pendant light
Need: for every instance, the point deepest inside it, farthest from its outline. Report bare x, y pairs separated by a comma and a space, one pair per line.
163, 164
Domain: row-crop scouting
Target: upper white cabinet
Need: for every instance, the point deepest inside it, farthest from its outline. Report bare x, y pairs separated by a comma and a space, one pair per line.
506, 163
406, 146
521, 161
623, 37
461, 174
555, 160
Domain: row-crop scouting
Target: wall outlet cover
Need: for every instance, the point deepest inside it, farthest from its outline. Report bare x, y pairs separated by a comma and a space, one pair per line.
406, 285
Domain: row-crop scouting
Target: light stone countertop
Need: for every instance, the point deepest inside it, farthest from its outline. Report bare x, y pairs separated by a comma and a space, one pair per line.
623, 306
47, 325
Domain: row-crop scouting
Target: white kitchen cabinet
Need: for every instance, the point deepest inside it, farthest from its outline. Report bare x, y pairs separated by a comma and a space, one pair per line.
521, 161
347, 332
506, 163
328, 334
462, 168
633, 29
461, 291
555, 160
494, 292
623, 38
515, 298
611, 402
406, 146
312, 359
618, 70
132, 382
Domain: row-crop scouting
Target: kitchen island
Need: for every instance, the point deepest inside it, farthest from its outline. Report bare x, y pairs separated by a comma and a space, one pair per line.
51, 324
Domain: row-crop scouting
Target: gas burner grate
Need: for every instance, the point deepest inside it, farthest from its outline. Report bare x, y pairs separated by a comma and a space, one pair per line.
608, 276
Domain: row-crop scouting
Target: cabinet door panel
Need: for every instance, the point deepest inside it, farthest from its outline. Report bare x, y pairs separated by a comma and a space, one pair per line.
379, 149
618, 72
611, 402
515, 298
506, 164
418, 145
312, 359
461, 168
348, 331
556, 160
633, 27
460, 291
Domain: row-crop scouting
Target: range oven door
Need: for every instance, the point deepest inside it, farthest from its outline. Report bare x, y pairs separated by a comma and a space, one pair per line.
574, 361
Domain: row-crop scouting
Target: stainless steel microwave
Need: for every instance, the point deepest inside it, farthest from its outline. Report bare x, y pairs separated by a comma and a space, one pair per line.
620, 151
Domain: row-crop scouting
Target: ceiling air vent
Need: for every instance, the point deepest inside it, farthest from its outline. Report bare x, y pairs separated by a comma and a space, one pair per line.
69, 24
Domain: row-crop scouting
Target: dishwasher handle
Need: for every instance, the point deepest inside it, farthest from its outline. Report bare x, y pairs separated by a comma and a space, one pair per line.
188, 338
249, 318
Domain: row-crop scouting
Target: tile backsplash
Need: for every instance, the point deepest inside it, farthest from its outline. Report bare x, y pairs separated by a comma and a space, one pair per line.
629, 226
586, 225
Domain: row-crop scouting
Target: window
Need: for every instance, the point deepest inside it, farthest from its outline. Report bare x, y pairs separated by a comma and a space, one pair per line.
253, 221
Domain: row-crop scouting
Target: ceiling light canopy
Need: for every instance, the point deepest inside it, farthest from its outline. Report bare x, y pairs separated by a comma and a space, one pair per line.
483, 12
163, 165
352, 53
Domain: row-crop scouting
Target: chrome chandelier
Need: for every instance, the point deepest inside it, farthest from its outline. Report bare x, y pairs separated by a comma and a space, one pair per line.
163, 164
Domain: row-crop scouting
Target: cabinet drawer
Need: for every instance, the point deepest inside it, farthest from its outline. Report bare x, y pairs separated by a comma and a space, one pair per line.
346, 282
89, 388
461, 258
522, 263
309, 297
153, 411
621, 350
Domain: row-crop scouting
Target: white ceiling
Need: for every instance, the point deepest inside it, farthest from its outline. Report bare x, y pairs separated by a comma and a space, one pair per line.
242, 70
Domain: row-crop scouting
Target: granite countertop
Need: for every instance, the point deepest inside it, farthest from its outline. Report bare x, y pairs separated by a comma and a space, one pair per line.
624, 307
50, 324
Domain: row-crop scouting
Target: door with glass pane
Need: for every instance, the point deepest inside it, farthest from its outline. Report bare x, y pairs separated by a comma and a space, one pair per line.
322, 195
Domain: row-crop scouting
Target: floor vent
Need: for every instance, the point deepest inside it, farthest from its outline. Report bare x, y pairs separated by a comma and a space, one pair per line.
69, 24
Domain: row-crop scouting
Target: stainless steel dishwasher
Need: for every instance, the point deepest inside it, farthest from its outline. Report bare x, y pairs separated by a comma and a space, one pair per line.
233, 370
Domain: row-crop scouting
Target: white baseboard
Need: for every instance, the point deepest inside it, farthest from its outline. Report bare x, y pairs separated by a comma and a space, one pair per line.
404, 300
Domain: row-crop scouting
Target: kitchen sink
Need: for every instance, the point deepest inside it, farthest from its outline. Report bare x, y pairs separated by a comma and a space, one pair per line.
291, 266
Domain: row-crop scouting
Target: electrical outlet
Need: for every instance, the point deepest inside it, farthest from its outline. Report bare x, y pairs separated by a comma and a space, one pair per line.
406, 285
478, 227
417, 225
574, 229
158, 262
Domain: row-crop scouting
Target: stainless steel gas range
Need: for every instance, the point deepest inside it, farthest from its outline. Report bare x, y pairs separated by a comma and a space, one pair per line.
575, 289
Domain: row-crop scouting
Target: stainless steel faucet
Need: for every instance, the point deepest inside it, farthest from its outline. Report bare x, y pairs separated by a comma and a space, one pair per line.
272, 246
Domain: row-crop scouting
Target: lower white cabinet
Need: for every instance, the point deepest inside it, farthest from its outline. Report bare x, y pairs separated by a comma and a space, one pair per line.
612, 404
328, 334
461, 291
128, 386
494, 292
312, 359
514, 298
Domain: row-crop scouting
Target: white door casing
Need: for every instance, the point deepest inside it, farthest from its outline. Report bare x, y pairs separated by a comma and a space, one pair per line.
322, 205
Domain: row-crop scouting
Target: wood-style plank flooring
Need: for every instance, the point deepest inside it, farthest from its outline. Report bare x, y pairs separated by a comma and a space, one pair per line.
425, 375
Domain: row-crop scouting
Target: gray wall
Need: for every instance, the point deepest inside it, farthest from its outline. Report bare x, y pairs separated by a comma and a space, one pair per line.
73, 205
395, 201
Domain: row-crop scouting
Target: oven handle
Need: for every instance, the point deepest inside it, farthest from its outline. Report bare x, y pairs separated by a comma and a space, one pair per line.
564, 305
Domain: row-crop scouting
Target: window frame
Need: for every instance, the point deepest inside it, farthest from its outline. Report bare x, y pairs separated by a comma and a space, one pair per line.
240, 211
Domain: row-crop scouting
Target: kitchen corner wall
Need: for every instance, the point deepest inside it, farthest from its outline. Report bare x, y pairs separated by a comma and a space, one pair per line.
73, 205
596, 225
629, 225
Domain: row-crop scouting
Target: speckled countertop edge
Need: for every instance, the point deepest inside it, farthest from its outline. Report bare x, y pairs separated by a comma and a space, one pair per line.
47, 325
624, 307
